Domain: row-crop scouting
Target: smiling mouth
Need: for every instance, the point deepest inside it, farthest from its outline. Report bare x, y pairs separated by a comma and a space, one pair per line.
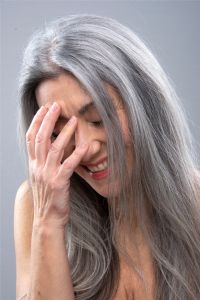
97, 175
98, 168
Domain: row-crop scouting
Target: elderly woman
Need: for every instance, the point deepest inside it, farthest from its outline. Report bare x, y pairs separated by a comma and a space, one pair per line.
111, 207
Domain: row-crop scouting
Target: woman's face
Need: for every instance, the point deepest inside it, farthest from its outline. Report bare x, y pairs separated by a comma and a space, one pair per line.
73, 100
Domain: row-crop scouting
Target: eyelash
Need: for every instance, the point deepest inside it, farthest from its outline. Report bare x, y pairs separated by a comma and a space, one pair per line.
97, 123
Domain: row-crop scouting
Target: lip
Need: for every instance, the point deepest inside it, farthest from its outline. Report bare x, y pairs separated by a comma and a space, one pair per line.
99, 175
95, 164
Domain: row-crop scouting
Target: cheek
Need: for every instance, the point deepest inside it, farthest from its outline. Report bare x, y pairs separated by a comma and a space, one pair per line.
125, 129
128, 142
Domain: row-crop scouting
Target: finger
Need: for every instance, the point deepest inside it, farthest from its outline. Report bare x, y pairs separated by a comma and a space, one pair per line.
57, 148
45, 132
70, 164
33, 129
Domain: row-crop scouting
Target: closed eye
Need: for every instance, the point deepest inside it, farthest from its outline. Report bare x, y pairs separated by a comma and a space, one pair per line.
94, 123
97, 123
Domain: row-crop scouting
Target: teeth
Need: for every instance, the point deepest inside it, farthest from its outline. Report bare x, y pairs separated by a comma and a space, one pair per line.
100, 167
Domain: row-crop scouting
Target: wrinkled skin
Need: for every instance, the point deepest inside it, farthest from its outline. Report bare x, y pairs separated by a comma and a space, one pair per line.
50, 180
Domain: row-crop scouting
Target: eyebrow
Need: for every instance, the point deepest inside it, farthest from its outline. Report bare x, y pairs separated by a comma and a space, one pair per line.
82, 111
85, 108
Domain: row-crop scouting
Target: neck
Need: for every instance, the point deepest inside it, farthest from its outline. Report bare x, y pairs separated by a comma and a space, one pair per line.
131, 242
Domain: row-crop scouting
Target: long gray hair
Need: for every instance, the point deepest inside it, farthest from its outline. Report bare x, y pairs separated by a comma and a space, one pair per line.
161, 196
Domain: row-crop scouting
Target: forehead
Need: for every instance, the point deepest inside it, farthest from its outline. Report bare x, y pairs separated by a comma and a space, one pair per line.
68, 92
62, 88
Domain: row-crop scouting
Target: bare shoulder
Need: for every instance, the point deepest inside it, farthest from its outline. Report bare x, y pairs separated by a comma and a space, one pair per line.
23, 220
23, 211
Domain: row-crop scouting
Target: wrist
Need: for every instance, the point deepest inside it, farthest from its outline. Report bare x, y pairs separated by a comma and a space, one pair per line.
47, 227
45, 235
48, 222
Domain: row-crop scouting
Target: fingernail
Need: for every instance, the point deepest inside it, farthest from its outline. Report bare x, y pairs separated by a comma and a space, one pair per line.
54, 107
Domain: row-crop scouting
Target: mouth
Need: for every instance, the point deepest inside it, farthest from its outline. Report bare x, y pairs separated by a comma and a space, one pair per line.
98, 167
99, 171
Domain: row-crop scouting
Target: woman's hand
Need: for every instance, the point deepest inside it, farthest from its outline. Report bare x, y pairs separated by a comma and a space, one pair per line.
49, 179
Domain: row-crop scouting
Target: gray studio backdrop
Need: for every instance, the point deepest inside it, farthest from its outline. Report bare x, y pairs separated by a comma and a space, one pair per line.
171, 30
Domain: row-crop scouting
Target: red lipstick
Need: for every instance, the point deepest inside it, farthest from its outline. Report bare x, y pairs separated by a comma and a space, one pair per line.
99, 175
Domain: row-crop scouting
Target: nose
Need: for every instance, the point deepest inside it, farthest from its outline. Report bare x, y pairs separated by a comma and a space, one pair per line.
83, 135
93, 149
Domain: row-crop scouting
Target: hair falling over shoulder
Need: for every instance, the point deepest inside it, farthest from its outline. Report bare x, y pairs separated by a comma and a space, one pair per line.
164, 184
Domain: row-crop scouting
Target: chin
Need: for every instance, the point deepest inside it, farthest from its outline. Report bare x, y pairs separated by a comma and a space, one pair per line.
100, 185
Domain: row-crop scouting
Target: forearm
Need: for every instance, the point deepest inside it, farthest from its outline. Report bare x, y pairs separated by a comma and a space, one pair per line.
50, 273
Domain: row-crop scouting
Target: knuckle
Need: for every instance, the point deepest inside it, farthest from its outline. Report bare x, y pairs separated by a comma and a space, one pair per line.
69, 164
54, 148
39, 177
29, 137
31, 166
32, 177
37, 121
39, 138
36, 172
